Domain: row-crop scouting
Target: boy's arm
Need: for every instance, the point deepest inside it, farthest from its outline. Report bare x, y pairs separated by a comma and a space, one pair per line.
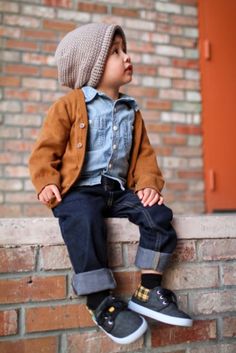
146, 173
45, 160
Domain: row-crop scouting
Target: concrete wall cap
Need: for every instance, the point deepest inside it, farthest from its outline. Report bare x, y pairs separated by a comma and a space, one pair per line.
45, 231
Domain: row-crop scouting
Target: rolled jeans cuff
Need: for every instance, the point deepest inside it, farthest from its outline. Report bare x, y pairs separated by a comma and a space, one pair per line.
93, 281
150, 259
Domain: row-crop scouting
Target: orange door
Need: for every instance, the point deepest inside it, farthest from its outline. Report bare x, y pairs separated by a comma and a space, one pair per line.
218, 78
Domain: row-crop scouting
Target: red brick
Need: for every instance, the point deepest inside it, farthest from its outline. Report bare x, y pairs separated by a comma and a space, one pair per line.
36, 59
164, 335
50, 256
172, 94
35, 108
18, 145
177, 186
35, 345
185, 251
213, 302
185, 84
214, 348
17, 259
230, 274
184, 174
170, 29
11, 32
21, 21
39, 34
26, 70
183, 42
184, 276
145, 70
163, 151
33, 288
158, 104
17, 171
94, 8
36, 210
184, 20
49, 72
185, 63
142, 91
127, 282
61, 317
124, 12
187, 2
9, 81
188, 130
49, 47
11, 185
9, 158
115, 256
193, 197
174, 140
58, 3
25, 94
141, 47
10, 210
158, 128
21, 45
219, 249
131, 253
229, 325
8, 322
98, 342
58, 25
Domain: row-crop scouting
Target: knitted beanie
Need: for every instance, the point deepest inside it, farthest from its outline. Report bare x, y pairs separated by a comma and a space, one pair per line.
81, 54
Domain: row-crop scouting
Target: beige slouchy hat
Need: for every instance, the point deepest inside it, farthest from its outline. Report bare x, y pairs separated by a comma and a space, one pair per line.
81, 54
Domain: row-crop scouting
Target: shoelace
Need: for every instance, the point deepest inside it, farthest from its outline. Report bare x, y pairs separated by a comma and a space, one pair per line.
167, 296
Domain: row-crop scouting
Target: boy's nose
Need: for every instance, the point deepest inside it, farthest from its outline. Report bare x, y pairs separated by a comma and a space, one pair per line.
127, 58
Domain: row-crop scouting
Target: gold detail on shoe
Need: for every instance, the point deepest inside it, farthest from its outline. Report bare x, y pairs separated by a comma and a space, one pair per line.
111, 309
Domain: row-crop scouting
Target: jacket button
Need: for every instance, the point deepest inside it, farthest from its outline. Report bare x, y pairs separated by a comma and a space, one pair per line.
82, 125
79, 145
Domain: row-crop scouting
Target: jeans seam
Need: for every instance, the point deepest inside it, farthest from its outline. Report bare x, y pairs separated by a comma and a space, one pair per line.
146, 214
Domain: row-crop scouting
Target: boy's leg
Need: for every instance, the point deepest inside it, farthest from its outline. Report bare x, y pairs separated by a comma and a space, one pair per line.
157, 243
83, 229
81, 219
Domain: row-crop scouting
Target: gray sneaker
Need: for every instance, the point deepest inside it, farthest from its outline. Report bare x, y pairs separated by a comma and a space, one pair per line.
159, 304
119, 323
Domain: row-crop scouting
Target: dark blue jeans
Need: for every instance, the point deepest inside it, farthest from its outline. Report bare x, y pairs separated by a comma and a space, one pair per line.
81, 218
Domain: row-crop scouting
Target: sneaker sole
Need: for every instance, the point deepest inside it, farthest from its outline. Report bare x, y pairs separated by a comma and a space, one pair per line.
132, 337
158, 316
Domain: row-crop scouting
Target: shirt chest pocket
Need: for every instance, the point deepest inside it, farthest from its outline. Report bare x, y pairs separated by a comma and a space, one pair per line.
96, 133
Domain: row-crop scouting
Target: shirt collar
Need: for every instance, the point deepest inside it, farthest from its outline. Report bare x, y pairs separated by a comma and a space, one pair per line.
90, 93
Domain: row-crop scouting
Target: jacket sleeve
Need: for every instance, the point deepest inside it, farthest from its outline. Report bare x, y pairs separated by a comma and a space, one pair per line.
45, 159
147, 172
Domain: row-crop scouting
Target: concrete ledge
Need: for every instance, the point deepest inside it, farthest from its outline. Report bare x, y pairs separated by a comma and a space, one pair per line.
45, 231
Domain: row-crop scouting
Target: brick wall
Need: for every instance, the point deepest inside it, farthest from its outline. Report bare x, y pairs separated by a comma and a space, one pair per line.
40, 314
163, 43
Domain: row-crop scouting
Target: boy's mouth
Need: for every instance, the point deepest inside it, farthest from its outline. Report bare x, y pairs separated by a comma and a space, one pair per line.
129, 68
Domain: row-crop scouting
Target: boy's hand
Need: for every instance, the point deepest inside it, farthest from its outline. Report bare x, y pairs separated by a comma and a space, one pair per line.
49, 192
149, 197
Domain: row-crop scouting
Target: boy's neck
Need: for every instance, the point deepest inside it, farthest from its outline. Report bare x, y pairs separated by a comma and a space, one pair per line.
113, 93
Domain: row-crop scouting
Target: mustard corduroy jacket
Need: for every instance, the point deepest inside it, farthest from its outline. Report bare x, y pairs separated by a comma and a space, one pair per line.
58, 155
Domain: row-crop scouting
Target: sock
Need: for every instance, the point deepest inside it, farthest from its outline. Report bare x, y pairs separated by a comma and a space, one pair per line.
150, 280
95, 299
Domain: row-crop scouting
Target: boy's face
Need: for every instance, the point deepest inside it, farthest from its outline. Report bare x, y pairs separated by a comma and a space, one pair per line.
118, 69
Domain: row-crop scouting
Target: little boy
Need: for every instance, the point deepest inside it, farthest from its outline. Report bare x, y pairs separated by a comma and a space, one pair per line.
93, 160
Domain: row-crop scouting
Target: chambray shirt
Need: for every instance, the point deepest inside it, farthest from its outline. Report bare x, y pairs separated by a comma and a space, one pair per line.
109, 137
